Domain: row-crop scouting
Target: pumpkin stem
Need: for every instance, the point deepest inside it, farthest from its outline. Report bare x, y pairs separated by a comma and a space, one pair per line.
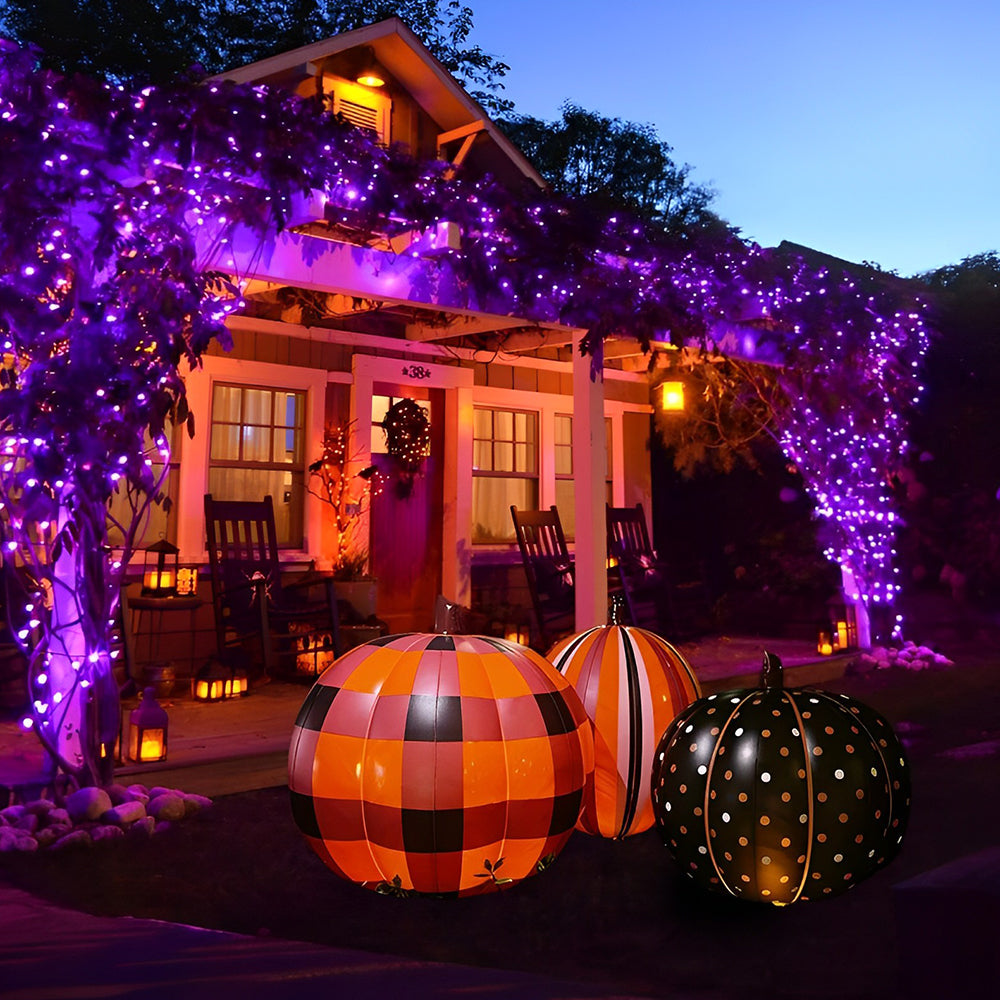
771, 674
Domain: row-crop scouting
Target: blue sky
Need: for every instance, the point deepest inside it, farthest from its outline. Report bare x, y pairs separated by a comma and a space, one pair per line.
869, 130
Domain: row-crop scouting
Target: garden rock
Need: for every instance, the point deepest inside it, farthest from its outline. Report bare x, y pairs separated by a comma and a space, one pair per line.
124, 814
195, 803
28, 822
119, 794
106, 832
87, 804
168, 806
76, 838
12, 813
139, 793
57, 816
40, 807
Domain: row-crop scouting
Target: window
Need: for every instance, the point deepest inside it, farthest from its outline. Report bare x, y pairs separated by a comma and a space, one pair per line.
563, 447
257, 448
504, 471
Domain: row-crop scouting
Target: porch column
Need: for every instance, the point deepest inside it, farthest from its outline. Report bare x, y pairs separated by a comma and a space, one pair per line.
589, 475
456, 568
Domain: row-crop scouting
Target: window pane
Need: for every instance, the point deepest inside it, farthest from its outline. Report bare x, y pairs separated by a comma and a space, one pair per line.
503, 425
491, 501
254, 484
503, 457
564, 429
225, 442
565, 501
226, 403
564, 460
257, 406
256, 446
482, 455
482, 424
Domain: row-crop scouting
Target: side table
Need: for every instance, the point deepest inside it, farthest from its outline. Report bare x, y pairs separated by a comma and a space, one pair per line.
144, 624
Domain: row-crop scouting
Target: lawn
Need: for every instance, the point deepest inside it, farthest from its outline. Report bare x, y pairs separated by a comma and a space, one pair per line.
607, 912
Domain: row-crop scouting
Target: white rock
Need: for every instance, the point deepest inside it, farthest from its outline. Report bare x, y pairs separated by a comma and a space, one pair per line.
119, 794
88, 803
157, 790
168, 806
124, 814
106, 832
58, 817
195, 803
74, 838
40, 807
26, 844
942, 661
29, 822
12, 813
7, 839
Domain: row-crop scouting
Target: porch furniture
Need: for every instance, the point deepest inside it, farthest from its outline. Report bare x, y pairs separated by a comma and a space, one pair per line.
651, 596
548, 567
253, 603
145, 622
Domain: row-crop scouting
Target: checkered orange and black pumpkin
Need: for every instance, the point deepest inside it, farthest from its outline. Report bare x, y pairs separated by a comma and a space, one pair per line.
632, 684
780, 795
419, 762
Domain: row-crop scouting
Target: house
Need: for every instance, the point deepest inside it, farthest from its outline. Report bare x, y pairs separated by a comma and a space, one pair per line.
334, 333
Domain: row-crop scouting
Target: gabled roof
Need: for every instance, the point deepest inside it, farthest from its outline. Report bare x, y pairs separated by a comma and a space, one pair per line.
412, 65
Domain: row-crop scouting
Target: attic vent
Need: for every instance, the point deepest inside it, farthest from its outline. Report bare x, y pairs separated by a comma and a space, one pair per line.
361, 106
361, 116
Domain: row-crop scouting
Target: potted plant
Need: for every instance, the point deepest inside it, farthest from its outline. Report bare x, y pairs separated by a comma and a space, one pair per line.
348, 494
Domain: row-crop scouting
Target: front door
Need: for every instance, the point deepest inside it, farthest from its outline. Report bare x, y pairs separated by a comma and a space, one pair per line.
407, 519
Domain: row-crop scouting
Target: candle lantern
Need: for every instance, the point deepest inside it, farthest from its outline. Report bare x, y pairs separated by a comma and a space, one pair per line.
824, 645
843, 623
159, 575
216, 681
147, 730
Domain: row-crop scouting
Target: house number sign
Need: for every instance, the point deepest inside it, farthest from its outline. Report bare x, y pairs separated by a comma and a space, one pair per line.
417, 371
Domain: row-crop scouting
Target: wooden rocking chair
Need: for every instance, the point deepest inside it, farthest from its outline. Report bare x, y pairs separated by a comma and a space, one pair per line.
298, 637
548, 567
651, 598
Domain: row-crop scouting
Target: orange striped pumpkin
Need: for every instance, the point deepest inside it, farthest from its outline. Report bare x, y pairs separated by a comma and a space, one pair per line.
442, 764
632, 684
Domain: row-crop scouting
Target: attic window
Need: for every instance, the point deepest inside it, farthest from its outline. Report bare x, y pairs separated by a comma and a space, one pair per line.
361, 106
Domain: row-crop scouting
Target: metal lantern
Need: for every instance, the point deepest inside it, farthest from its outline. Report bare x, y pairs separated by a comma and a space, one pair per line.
780, 795
159, 575
632, 684
147, 730
443, 764
843, 623
215, 681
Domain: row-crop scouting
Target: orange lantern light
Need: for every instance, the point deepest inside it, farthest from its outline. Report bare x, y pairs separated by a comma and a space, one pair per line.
147, 730
632, 684
419, 761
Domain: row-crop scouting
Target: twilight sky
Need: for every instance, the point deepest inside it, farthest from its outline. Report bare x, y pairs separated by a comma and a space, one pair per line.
868, 129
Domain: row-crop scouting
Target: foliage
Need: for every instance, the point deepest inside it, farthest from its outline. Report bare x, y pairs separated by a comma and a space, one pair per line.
729, 406
617, 164
349, 501
155, 41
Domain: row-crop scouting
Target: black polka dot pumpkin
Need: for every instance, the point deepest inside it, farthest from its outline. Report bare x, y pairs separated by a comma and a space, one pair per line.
780, 795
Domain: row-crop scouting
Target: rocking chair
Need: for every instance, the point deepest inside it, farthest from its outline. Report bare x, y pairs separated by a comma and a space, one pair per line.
298, 637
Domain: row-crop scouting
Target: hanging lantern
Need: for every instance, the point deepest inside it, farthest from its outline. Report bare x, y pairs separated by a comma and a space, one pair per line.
147, 730
776, 796
632, 684
159, 575
444, 764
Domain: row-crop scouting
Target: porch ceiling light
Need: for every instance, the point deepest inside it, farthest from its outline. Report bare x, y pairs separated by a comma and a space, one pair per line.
371, 74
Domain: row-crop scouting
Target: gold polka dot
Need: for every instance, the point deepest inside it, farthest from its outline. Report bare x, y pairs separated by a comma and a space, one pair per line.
842, 817
765, 860
743, 796
683, 789
807, 715
746, 878
821, 837
715, 730
817, 751
743, 841
786, 842
828, 730
801, 773
786, 796
765, 820
860, 793
821, 797
765, 733
783, 879
801, 859
697, 810
783, 751
728, 776
860, 837
673, 767
765, 892
683, 829
776, 713
728, 856
849, 748
816, 875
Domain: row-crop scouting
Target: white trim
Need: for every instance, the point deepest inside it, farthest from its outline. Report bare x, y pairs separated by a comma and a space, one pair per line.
193, 473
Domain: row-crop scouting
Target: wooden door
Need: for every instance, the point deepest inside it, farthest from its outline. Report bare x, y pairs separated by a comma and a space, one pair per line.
406, 529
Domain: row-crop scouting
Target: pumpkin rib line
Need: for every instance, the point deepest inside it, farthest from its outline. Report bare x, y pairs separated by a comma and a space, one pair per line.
635, 731
708, 789
810, 810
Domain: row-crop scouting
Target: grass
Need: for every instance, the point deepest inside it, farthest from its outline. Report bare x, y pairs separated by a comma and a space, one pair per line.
606, 912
